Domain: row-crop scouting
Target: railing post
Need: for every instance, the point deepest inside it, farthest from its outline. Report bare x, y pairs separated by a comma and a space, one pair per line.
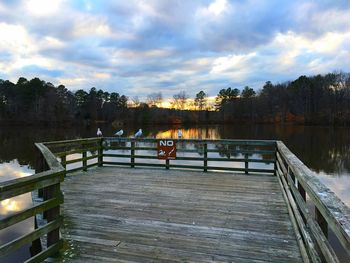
321, 222
53, 213
205, 157
40, 162
40, 167
275, 164
100, 152
63, 162
167, 164
84, 161
246, 164
36, 247
132, 154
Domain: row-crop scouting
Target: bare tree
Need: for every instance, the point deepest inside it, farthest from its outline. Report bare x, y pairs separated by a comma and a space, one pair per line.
154, 99
180, 100
135, 101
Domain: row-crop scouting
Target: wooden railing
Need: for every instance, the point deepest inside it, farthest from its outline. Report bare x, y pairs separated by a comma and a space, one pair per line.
299, 185
206, 154
48, 179
303, 191
75, 154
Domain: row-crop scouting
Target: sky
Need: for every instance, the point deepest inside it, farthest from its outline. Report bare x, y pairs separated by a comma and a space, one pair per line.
140, 47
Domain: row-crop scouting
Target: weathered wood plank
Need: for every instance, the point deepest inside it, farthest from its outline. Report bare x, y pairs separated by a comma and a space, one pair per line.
335, 212
164, 215
23, 185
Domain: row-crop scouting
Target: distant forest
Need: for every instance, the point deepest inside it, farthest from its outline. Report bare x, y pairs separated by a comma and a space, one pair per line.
320, 99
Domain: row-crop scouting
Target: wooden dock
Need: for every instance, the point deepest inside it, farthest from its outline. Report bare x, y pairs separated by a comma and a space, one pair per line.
114, 200
152, 215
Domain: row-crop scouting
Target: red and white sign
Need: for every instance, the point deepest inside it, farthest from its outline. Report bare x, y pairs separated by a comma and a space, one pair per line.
166, 150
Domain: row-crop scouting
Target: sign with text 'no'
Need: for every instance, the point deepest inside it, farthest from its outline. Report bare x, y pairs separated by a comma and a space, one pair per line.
166, 150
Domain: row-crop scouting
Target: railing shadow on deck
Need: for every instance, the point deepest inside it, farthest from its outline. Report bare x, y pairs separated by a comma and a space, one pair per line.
298, 184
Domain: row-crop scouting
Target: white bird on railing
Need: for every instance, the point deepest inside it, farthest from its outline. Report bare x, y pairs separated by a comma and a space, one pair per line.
139, 133
119, 133
99, 133
179, 133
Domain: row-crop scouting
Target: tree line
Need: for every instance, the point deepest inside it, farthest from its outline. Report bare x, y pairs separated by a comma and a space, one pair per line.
320, 99
37, 101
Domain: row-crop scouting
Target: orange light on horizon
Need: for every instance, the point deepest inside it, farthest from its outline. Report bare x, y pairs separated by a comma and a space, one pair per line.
167, 104
191, 133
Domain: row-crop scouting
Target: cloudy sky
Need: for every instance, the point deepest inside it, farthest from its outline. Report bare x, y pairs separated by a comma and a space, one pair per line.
139, 47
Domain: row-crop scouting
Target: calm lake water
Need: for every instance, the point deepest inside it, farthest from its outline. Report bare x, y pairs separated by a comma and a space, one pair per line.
325, 150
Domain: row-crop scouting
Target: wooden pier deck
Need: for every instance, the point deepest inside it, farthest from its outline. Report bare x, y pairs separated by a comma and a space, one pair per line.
151, 215
114, 200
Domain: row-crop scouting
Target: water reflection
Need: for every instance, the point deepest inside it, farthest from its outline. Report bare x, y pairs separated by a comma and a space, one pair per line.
13, 205
12, 170
9, 205
190, 133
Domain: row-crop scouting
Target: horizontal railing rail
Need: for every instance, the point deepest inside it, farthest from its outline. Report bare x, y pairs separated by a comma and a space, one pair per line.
47, 180
75, 155
302, 190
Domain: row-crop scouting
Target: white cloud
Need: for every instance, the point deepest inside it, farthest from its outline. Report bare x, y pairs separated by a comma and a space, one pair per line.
14, 38
24, 49
231, 62
43, 7
213, 11
314, 54
90, 26
102, 75
217, 7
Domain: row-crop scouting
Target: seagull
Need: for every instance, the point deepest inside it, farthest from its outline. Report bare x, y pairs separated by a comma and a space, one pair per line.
139, 133
119, 133
99, 133
179, 133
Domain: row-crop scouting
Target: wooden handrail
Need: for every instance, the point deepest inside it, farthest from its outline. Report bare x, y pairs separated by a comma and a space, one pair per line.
65, 142
48, 180
201, 141
299, 181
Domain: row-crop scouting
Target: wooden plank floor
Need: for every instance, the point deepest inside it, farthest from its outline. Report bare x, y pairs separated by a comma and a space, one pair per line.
148, 215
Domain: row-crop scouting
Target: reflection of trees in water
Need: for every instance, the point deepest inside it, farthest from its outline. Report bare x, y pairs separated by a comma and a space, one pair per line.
17, 142
228, 151
200, 148
200, 132
240, 151
113, 145
324, 149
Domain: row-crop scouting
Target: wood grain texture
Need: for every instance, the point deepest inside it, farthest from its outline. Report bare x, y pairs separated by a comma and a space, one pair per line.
334, 212
149, 215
